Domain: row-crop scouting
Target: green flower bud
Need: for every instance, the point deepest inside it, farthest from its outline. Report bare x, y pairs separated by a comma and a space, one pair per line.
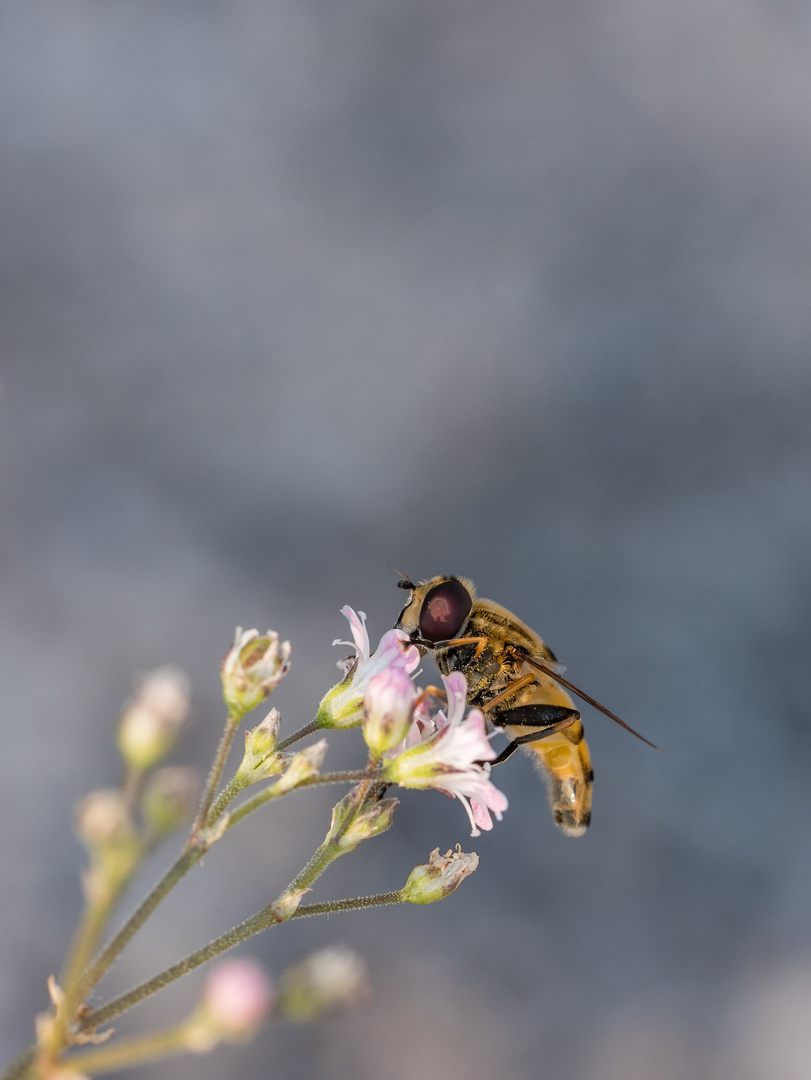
261, 760
349, 826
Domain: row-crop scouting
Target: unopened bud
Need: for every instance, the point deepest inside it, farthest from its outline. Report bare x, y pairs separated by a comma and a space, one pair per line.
349, 826
151, 721
103, 819
168, 799
104, 825
438, 878
252, 668
303, 765
237, 1000
323, 983
261, 760
388, 708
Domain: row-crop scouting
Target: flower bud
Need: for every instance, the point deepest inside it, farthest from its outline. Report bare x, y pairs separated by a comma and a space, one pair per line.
303, 765
104, 825
103, 819
388, 706
237, 1000
252, 668
324, 982
151, 721
349, 826
261, 760
438, 878
168, 799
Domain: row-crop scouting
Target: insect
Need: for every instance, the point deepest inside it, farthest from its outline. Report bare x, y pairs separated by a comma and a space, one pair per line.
514, 678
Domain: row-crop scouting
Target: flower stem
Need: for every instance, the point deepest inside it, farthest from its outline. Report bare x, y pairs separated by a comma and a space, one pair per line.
327, 907
129, 1052
94, 919
104, 961
248, 807
254, 925
188, 857
308, 729
231, 725
274, 913
226, 796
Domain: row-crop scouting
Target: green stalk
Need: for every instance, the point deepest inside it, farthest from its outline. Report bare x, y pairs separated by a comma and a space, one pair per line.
105, 960
254, 925
227, 738
268, 794
130, 1052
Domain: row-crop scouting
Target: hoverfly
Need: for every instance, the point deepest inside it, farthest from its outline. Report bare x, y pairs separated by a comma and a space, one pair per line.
514, 678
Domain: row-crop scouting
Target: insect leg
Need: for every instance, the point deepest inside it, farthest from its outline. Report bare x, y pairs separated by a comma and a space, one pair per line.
514, 687
479, 642
546, 719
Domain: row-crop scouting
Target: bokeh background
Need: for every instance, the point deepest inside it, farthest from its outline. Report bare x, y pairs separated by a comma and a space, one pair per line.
299, 294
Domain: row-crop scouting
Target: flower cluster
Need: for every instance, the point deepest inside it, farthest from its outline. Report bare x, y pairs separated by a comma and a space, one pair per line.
411, 744
449, 752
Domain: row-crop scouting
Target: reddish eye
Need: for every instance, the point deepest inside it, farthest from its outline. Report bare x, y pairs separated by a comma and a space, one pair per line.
444, 611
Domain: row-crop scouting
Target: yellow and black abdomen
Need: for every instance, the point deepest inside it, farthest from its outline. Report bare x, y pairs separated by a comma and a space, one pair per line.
563, 758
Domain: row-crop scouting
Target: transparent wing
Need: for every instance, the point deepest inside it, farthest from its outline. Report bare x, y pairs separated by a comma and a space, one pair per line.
554, 670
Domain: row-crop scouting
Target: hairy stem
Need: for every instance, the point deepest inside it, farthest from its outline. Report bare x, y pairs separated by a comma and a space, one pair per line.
129, 1052
308, 729
231, 725
104, 961
266, 796
254, 925
225, 797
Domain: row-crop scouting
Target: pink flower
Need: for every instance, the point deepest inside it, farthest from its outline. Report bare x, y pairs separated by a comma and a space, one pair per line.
342, 706
238, 996
388, 707
454, 760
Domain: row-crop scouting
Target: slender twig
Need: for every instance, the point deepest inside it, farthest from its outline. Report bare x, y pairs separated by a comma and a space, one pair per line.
127, 1052
91, 926
237, 784
231, 725
308, 729
266, 796
254, 925
327, 907
188, 857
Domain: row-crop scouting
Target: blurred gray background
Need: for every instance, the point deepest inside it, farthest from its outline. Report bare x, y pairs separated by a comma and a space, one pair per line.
299, 294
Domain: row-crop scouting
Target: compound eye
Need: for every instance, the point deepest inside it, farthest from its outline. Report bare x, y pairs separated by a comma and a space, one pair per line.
444, 611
